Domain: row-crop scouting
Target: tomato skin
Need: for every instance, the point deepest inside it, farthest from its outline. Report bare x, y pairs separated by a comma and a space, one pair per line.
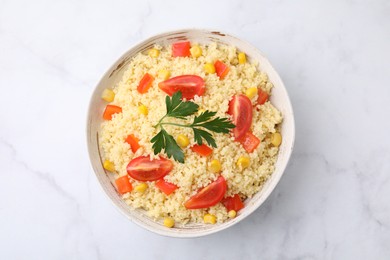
123, 184
249, 141
181, 49
240, 108
208, 196
202, 150
133, 142
145, 83
233, 203
221, 69
166, 187
110, 110
262, 96
144, 169
188, 85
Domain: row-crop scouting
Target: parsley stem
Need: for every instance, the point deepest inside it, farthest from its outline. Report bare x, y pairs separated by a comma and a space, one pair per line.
159, 122
176, 124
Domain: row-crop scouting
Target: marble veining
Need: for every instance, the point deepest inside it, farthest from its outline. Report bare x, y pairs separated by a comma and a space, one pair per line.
333, 201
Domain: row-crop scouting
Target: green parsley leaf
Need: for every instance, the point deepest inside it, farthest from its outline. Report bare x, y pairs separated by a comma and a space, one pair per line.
158, 142
177, 108
204, 116
218, 125
199, 134
165, 141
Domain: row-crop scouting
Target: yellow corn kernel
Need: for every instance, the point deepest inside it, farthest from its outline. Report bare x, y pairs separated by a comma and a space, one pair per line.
241, 58
251, 92
276, 139
108, 95
215, 166
169, 222
109, 166
182, 140
141, 188
209, 68
164, 74
154, 53
243, 162
232, 213
142, 109
196, 51
209, 219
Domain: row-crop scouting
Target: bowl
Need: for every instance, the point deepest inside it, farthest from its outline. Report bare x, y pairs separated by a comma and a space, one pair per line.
279, 99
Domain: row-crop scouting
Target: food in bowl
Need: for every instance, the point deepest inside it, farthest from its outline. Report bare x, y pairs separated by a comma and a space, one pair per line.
190, 132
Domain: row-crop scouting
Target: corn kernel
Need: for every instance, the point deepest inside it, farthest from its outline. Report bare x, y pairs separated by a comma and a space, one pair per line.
232, 213
182, 140
251, 92
196, 51
108, 95
241, 58
215, 166
141, 188
209, 219
276, 139
169, 222
154, 53
164, 74
142, 109
243, 162
209, 68
109, 166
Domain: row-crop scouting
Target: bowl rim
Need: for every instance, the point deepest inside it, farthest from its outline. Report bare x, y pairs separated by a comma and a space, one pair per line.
250, 210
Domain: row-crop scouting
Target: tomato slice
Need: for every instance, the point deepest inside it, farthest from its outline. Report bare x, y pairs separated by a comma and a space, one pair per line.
133, 142
208, 196
123, 184
181, 49
188, 85
249, 142
166, 187
221, 68
233, 203
202, 150
262, 96
144, 169
145, 83
240, 107
110, 110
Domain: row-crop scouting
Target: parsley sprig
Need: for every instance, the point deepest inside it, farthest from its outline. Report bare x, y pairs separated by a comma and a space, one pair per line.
177, 108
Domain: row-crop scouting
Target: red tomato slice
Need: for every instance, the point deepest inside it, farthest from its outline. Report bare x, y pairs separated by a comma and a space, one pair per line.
262, 96
123, 184
110, 110
181, 49
202, 150
221, 69
249, 142
208, 196
233, 203
144, 169
133, 142
188, 85
166, 187
240, 107
145, 83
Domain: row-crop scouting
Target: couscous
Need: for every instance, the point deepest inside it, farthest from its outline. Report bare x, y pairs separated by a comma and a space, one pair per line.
190, 133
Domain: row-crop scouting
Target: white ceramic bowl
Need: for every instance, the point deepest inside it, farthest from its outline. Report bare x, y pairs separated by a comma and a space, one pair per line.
279, 98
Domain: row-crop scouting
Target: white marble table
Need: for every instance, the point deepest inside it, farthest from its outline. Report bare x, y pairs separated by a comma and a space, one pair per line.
332, 203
